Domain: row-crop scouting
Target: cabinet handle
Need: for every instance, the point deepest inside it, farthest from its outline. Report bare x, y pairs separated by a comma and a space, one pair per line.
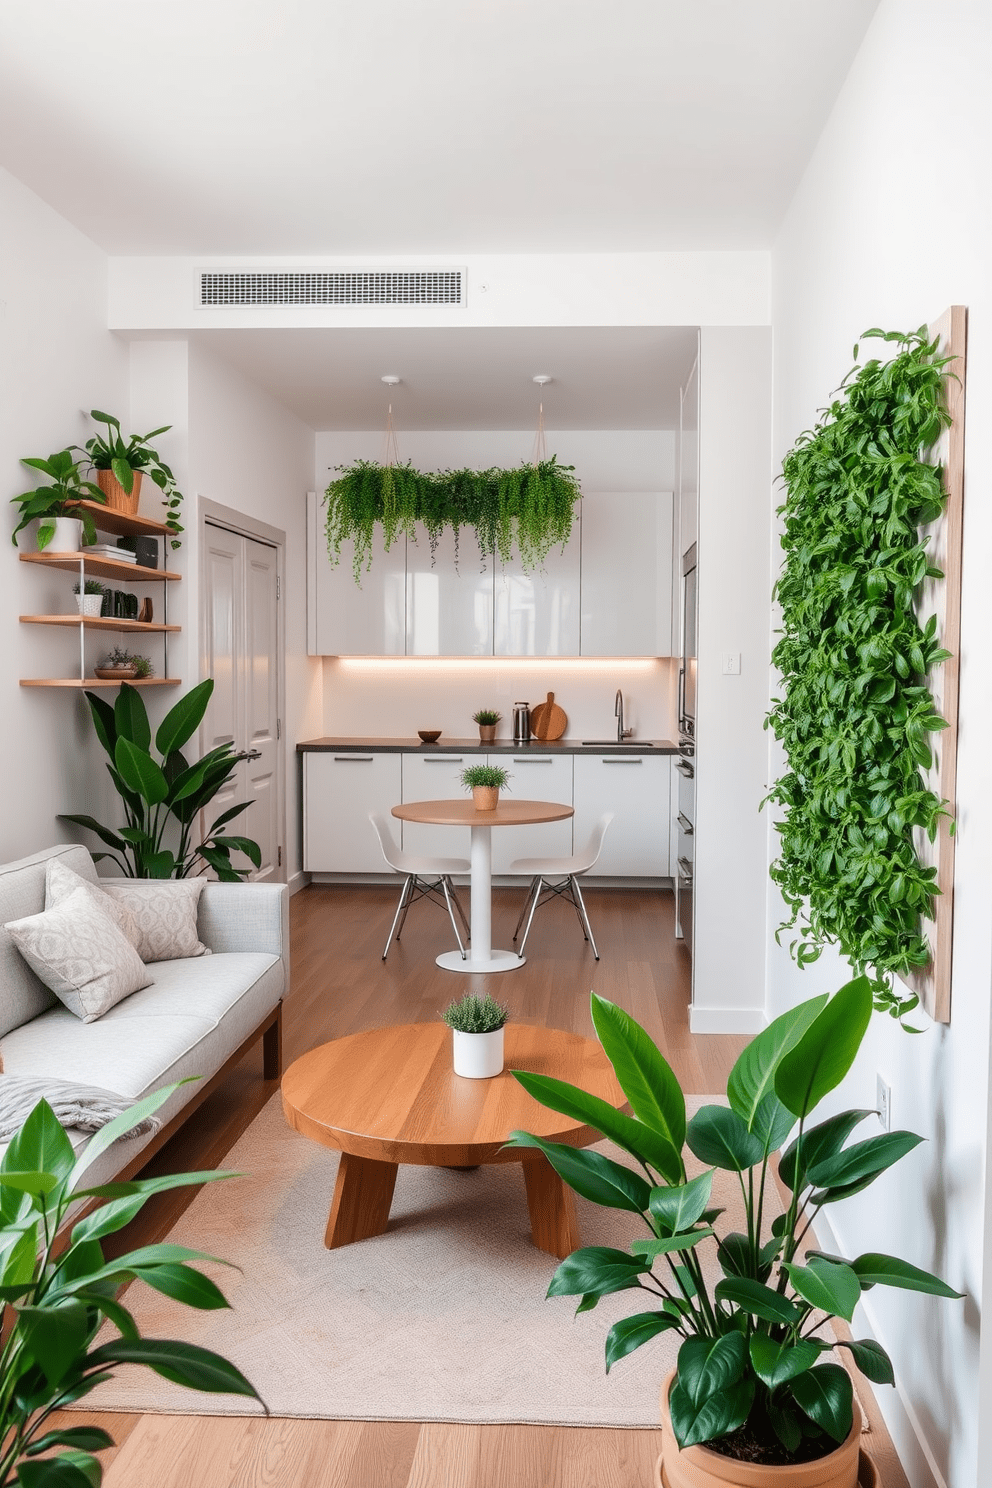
352, 759
685, 871
684, 768
618, 759
533, 761
686, 825
441, 759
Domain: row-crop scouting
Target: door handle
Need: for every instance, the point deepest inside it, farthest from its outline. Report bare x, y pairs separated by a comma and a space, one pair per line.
684, 768
254, 754
685, 824
685, 872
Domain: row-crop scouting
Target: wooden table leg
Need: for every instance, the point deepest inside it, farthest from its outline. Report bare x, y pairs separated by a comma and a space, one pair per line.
362, 1196
553, 1225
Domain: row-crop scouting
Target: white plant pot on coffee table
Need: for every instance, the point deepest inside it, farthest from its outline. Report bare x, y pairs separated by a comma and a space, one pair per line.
478, 1056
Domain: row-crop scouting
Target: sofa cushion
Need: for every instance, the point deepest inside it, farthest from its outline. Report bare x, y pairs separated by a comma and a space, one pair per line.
22, 892
61, 881
78, 951
164, 911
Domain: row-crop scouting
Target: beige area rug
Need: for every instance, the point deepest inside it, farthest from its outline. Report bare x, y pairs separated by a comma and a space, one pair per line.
442, 1318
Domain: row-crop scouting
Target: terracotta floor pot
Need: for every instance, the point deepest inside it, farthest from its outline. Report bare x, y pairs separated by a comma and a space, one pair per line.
117, 498
485, 797
699, 1467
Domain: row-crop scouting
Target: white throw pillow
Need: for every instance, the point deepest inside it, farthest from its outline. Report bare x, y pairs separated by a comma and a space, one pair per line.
78, 951
164, 911
61, 881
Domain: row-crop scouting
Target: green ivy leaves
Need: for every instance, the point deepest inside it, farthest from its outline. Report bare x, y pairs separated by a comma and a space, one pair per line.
856, 716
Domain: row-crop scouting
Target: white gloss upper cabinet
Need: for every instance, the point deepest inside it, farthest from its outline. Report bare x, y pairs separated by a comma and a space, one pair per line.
345, 618
626, 574
537, 614
449, 609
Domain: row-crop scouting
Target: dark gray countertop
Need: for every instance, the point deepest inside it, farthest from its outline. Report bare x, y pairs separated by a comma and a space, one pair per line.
501, 746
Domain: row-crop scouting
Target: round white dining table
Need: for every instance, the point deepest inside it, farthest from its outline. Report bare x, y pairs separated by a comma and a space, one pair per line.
481, 956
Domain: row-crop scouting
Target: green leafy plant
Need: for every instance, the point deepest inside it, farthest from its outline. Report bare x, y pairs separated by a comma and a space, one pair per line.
531, 506
60, 499
750, 1381
166, 793
855, 713
127, 457
487, 717
119, 657
476, 1014
90, 586
493, 776
60, 1295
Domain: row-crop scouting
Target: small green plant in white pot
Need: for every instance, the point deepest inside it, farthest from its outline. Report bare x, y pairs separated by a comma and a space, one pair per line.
61, 519
477, 1025
485, 782
89, 599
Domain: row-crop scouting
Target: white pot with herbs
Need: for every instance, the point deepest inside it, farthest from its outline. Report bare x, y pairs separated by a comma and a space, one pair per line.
89, 600
476, 1025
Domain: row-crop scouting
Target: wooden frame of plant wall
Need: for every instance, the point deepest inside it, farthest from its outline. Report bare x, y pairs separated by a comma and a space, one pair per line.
942, 597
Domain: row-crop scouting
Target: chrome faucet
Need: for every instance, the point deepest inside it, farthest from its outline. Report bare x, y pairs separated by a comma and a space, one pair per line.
622, 733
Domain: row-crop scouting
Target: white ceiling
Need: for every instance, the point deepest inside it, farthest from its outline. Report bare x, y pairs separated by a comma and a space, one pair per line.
603, 377
419, 126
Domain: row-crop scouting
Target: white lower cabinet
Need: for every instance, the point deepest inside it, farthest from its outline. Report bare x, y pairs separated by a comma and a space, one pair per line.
637, 789
339, 791
534, 777
435, 777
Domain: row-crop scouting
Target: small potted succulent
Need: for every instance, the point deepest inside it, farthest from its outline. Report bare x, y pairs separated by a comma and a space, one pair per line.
121, 665
57, 505
487, 719
120, 464
89, 601
755, 1397
476, 1025
485, 782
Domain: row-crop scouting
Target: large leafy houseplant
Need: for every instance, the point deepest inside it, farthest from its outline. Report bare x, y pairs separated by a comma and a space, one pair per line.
751, 1381
60, 1293
531, 506
163, 798
126, 458
856, 714
60, 499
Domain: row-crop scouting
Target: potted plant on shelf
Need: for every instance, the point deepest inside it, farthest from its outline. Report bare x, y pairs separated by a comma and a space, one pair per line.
89, 600
477, 1025
487, 719
57, 505
162, 799
485, 782
59, 1296
120, 464
750, 1386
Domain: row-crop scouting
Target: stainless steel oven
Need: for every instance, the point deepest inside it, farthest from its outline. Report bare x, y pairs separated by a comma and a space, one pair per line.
687, 670
685, 818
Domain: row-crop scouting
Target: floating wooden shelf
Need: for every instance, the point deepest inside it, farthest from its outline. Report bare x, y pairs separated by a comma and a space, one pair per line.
122, 525
101, 568
78, 682
99, 622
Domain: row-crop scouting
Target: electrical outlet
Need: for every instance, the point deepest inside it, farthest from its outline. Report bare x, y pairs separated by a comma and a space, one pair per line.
883, 1102
731, 663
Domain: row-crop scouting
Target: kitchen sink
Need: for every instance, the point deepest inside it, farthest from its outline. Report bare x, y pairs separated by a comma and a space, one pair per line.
615, 744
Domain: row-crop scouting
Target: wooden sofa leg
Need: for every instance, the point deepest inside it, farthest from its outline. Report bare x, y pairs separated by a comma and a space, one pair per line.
272, 1048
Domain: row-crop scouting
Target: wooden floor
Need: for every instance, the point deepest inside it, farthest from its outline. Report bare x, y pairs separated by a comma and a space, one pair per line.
339, 986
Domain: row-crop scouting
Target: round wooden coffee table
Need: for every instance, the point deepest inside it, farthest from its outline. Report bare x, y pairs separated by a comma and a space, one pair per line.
390, 1096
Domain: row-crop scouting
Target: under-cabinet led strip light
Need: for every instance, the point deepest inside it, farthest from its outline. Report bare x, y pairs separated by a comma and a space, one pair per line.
612, 665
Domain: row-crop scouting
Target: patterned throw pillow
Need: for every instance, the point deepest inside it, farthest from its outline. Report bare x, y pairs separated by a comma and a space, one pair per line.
61, 881
164, 911
78, 951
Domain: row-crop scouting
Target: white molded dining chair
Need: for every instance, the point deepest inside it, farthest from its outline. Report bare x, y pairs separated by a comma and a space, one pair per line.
426, 878
544, 871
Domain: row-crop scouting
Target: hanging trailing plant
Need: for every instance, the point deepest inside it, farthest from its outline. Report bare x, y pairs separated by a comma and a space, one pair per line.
856, 713
531, 507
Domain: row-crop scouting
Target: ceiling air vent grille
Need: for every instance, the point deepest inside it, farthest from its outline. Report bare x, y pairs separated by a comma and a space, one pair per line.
333, 287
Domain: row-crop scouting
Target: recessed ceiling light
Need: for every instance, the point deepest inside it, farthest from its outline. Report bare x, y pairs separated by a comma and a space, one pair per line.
390, 380
541, 379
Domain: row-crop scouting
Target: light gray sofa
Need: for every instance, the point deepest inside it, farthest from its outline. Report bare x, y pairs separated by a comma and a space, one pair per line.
199, 1016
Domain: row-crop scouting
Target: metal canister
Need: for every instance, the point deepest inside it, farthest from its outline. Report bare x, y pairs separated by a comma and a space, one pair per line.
521, 723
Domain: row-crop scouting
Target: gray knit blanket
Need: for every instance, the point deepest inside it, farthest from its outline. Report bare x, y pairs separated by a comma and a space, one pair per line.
83, 1106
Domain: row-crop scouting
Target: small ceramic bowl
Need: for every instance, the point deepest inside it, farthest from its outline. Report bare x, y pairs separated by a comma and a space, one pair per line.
429, 736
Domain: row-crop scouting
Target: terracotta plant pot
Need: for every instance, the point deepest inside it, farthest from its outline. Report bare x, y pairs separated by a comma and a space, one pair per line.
486, 797
487, 733
700, 1467
116, 674
117, 498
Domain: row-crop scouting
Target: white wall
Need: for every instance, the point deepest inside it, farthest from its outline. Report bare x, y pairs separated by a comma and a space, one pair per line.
396, 698
57, 359
891, 224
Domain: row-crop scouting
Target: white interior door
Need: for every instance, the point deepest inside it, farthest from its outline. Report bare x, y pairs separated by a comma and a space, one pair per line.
241, 653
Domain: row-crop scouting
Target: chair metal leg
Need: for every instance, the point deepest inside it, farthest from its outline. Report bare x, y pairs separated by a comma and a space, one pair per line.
400, 908
451, 912
538, 882
461, 912
523, 911
580, 905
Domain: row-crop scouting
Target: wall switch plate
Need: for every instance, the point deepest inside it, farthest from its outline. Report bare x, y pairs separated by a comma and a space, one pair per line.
731, 663
883, 1102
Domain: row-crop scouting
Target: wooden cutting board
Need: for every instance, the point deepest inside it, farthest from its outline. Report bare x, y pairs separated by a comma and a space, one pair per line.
547, 720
